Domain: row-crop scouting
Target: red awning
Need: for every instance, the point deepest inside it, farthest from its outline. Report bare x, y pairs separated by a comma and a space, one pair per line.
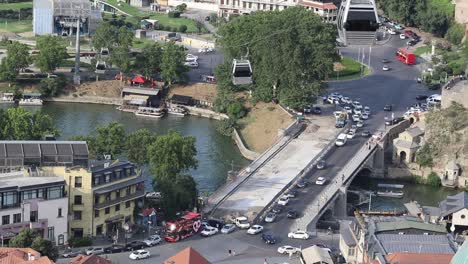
139, 79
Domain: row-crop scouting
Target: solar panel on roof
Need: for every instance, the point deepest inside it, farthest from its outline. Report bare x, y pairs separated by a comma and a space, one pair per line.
80, 149
48, 149
14, 150
64, 149
31, 150
2, 150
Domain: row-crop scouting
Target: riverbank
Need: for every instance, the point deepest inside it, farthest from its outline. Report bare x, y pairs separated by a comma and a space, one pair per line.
86, 100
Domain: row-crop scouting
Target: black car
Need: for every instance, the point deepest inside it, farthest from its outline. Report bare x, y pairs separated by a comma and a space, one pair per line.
73, 253
387, 108
301, 184
317, 110
277, 210
385, 61
215, 223
114, 249
411, 42
366, 133
421, 97
291, 194
394, 121
135, 245
269, 239
292, 214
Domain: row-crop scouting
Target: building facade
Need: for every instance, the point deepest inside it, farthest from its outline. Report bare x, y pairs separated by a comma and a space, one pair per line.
327, 10
39, 203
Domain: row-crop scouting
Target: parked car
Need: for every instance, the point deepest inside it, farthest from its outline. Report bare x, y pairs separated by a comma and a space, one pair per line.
394, 121
366, 133
364, 116
270, 217
384, 61
191, 64
255, 229
321, 165
299, 234
421, 97
411, 42
94, 250
385, 67
73, 253
191, 57
292, 214
135, 245
316, 110
242, 222
114, 249
320, 181
291, 194
387, 108
228, 228
288, 250
351, 133
367, 110
139, 254
152, 240
204, 225
284, 200
301, 184
360, 124
209, 231
356, 118
215, 223
277, 209
402, 36
269, 239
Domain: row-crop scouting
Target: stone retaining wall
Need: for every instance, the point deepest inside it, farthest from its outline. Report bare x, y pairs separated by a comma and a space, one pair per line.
86, 100
247, 153
195, 111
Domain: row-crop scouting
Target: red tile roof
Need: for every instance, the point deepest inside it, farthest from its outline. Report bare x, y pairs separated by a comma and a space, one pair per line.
91, 259
187, 256
21, 256
415, 258
316, 4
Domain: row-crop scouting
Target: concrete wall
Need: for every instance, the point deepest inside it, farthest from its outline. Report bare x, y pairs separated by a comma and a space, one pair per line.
86, 100
197, 43
461, 11
205, 113
458, 93
460, 217
247, 153
48, 209
195, 5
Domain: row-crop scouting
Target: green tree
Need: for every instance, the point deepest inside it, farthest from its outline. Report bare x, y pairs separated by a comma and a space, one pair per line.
183, 28
52, 86
19, 124
28, 238
18, 56
121, 57
226, 127
172, 62
105, 36
288, 50
181, 8
424, 156
110, 139
236, 110
149, 60
433, 179
455, 33
199, 25
7, 73
52, 52
137, 144
178, 194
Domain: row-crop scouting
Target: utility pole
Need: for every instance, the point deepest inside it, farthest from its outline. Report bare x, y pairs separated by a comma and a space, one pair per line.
76, 76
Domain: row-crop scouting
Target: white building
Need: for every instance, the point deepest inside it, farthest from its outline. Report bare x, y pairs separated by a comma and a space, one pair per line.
454, 210
33, 202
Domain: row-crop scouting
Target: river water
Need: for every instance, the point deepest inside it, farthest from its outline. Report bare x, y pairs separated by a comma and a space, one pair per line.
216, 155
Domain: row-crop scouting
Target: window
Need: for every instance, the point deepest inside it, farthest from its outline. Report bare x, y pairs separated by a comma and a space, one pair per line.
10, 199
117, 194
99, 230
462, 216
40, 193
32, 194
117, 207
96, 181
33, 217
250, 5
128, 190
108, 197
118, 174
78, 199
96, 213
76, 215
78, 181
59, 212
107, 177
351, 251
127, 204
107, 210
61, 239
50, 233
6, 220
17, 218
55, 192
96, 199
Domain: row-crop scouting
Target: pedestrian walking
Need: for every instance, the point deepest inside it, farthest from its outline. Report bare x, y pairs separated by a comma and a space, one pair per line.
233, 252
265, 261
230, 252
368, 147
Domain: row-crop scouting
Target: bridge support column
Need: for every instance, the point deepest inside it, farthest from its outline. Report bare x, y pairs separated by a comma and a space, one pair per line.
339, 208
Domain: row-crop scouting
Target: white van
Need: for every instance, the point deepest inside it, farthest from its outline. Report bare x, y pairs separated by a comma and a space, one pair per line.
341, 140
242, 222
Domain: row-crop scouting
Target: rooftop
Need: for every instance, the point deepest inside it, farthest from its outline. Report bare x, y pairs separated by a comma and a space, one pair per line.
394, 243
91, 259
140, 90
103, 165
454, 203
414, 131
415, 258
24, 183
409, 224
187, 256
315, 254
346, 233
405, 144
20, 256
317, 4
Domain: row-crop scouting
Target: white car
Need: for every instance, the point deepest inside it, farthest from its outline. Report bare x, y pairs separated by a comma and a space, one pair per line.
299, 234
205, 225
94, 250
359, 124
255, 229
206, 50
356, 118
346, 100
391, 31
351, 134
191, 64
288, 250
385, 68
348, 109
228, 228
209, 231
357, 111
320, 181
364, 116
402, 36
270, 217
152, 240
139, 254
337, 114
367, 110
242, 222
284, 200
191, 57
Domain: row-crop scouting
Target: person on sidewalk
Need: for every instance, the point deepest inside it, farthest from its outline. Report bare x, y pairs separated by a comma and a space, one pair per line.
230, 252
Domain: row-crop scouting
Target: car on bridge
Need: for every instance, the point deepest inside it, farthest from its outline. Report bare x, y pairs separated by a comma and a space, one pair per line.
321, 165
288, 250
209, 231
366, 133
291, 194
242, 222
341, 140
270, 217
301, 184
299, 234
228, 228
269, 239
320, 181
255, 229
277, 209
283, 200
387, 108
292, 214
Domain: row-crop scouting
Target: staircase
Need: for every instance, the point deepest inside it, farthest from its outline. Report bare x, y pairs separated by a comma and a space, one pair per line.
360, 37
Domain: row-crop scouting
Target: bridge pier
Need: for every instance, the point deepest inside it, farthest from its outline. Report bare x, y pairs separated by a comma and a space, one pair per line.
339, 208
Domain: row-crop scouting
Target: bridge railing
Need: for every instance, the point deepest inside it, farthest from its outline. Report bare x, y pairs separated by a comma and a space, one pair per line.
314, 208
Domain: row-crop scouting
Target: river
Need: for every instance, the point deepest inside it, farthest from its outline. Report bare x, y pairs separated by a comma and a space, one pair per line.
216, 155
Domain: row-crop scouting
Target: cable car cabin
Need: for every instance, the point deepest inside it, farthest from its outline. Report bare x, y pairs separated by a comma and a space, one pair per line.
241, 72
357, 22
104, 52
101, 67
406, 56
183, 227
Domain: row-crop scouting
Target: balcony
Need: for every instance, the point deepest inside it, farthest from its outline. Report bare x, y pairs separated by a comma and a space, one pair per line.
133, 196
78, 206
15, 228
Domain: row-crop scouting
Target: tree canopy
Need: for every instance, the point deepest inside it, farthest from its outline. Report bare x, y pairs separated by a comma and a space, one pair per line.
28, 238
19, 124
172, 62
137, 145
291, 53
17, 58
149, 60
52, 52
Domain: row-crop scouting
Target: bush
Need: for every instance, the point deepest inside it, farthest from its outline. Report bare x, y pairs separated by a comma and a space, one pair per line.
455, 33
174, 29
173, 14
183, 28
52, 86
167, 28
181, 8
236, 110
434, 180
80, 242
424, 156
226, 127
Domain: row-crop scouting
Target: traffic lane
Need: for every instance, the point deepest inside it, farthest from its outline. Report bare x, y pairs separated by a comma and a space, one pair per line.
207, 62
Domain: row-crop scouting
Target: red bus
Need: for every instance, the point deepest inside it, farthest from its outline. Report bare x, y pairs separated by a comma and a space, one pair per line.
406, 56
183, 227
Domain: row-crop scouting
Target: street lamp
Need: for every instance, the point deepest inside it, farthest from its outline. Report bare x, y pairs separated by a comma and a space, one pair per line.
149, 227
126, 227
330, 231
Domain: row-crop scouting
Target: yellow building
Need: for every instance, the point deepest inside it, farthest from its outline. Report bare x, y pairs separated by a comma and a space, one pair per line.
102, 197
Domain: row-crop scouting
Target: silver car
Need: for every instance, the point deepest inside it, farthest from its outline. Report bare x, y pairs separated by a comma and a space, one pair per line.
270, 217
228, 228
